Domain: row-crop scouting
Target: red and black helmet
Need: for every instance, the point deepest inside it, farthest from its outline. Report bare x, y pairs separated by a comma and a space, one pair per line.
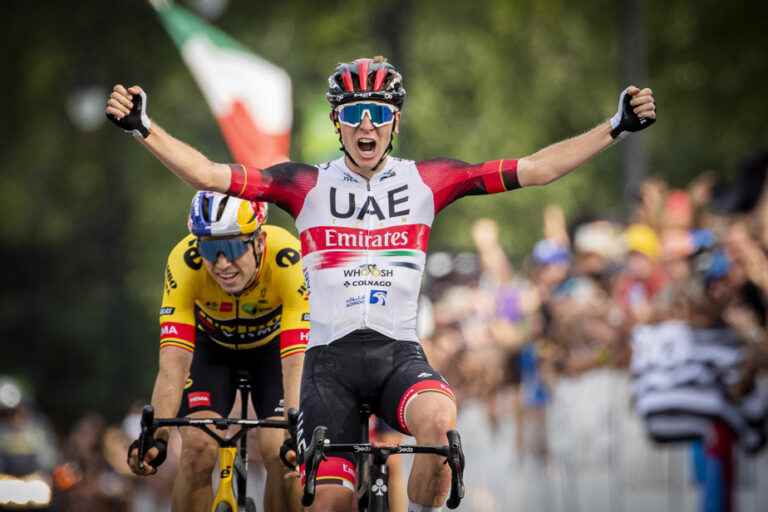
365, 79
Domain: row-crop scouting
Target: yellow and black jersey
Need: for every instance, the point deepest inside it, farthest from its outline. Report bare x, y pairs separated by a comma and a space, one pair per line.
276, 306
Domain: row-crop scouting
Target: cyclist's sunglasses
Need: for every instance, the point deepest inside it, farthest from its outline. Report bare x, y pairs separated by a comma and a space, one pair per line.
380, 114
231, 248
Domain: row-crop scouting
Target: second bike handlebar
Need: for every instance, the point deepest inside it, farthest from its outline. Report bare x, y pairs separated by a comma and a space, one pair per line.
319, 446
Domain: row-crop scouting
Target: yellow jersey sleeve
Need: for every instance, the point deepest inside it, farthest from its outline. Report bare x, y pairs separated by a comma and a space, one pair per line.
285, 256
177, 310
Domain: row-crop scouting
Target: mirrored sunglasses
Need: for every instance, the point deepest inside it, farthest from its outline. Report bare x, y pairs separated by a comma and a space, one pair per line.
380, 114
231, 248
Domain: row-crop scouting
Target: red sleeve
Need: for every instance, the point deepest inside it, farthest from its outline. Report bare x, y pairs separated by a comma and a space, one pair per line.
453, 179
285, 184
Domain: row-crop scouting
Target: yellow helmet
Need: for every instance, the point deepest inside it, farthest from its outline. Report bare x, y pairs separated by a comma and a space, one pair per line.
213, 214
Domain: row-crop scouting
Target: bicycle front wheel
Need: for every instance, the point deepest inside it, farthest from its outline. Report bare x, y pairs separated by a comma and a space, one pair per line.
223, 507
250, 505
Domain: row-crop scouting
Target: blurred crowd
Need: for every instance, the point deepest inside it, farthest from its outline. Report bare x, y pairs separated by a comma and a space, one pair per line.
84, 470
674, 296
505, 335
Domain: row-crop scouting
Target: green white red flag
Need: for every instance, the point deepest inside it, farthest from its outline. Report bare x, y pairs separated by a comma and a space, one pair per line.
250, 96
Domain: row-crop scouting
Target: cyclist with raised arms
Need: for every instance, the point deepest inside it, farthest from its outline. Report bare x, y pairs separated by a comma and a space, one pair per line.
364, 221
234, 299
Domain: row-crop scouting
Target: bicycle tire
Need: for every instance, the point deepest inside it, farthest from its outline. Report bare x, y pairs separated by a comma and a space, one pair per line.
250, 505
223, 507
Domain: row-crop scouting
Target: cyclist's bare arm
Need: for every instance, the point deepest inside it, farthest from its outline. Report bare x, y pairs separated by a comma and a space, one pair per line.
557, 160
169, 384
186, 162
292, 366
182, 159
166, 398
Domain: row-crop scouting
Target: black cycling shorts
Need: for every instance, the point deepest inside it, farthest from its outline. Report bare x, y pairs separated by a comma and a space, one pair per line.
362, 367
212, 382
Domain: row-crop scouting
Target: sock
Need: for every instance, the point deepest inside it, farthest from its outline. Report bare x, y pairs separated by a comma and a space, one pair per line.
413, 507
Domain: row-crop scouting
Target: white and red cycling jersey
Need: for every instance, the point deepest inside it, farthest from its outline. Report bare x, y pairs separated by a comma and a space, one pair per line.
364, 242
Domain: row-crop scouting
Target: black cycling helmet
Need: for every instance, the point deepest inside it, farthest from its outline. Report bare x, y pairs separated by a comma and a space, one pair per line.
366, 79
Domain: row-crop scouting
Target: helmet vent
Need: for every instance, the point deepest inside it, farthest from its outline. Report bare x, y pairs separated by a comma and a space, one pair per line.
222, 205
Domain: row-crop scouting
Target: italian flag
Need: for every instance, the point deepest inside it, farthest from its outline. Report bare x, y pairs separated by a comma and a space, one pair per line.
250, 97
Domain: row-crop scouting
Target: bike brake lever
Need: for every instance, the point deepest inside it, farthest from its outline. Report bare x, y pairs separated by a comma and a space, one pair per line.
313, 464
147, 430
456, 462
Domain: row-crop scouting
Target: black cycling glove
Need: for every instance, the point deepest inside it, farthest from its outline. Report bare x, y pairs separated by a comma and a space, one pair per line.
288, 446
625, 120
162, 451
137, 121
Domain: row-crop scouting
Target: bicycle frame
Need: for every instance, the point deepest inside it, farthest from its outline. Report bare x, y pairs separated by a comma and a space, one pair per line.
231, 494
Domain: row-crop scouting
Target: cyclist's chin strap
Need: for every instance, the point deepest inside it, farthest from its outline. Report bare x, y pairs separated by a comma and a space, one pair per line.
388, 150
259, 263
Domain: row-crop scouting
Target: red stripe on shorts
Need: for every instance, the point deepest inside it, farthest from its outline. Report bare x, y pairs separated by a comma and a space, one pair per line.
420, 387
333, 470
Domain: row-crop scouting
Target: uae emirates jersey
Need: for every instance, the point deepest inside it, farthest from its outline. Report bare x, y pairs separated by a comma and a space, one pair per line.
364, 242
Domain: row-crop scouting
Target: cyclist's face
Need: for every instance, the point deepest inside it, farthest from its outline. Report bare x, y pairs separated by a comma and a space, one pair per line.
235, 276
366, 143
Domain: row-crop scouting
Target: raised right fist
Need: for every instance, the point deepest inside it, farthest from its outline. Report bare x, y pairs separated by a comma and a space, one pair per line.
127, 108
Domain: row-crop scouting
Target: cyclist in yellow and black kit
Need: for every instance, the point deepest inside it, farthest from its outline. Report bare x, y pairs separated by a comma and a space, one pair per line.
234, 298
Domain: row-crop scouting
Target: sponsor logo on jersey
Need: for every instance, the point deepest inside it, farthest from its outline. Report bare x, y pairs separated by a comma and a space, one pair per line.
303, 291
164, 311
226, 307
212, 305
378, 297
287, 257
369, 269
241, 329
355, 301
387, 174
199, 399
396, 239
344, 208
305, 317
365, 239
254, 308
423, 375
188, 383
170, 282
176, 330
169, 330
349, 178
192, 256
367, 282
